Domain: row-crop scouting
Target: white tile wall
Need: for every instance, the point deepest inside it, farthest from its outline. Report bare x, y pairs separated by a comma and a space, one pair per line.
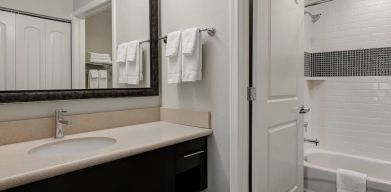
350, 114
351, 24
353, 115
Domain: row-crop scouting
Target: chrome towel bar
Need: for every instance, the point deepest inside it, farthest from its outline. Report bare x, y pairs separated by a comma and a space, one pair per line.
211, 32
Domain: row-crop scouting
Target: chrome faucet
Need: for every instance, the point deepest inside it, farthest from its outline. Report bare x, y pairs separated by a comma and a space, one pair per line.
314, 141
60, 122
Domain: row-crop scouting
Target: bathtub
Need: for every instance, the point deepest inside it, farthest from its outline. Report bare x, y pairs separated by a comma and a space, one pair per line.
320, 168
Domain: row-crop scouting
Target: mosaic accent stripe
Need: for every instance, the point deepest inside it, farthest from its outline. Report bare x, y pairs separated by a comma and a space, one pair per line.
363, 62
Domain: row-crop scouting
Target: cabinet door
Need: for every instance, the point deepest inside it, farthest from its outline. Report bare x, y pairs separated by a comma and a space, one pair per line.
7, 51
58, 55
30, 55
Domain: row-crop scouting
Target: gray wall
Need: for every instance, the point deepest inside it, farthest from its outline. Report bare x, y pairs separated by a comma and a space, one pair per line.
99, 33
54, 8
210, 94
132, 23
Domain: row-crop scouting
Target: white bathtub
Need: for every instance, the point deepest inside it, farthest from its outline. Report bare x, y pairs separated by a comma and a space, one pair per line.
321, 166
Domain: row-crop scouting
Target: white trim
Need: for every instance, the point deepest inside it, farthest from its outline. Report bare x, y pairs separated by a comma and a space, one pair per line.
238, 100
86, 10
78, 53
114, 42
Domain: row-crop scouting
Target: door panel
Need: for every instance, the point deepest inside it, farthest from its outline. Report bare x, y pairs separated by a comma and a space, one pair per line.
283, 157
30, 57
7, 51
277, 125
58, 55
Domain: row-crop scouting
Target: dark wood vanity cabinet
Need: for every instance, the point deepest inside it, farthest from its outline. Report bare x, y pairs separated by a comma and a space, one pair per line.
178, 168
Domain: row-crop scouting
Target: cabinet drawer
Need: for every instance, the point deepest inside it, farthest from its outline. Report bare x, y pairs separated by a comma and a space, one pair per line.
190, 154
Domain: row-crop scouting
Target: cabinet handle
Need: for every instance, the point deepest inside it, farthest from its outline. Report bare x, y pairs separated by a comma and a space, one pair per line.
194, 154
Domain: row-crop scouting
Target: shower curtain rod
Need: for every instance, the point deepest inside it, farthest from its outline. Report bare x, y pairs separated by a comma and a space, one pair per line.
317, 3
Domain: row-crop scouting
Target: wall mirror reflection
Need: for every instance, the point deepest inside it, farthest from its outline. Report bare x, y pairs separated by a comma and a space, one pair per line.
74, 44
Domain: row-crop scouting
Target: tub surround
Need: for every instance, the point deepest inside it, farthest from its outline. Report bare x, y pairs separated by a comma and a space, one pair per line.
18, 167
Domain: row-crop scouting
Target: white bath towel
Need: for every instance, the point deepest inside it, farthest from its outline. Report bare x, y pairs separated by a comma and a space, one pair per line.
191, 55
350, 181
133, 62
122, 65
93, 79
174, 57
103, 79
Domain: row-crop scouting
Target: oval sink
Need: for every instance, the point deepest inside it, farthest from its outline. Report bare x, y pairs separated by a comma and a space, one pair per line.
72, 147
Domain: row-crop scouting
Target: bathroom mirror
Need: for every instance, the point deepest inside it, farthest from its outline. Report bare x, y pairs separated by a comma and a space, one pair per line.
78, 49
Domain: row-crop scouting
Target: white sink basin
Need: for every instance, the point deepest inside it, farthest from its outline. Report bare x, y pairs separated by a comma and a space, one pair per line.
72, 147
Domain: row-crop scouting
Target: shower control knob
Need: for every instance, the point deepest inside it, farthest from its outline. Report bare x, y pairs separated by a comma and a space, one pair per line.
304, 110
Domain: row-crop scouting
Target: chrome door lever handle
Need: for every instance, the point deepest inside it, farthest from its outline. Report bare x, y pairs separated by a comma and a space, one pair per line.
304, 110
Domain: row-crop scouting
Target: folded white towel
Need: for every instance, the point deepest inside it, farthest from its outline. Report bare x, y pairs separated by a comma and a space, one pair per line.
141, 62
131, 51
173, 43
191, 55
93, 54
350, 181
103, 79
105, 61
189, 40
174, 57
133, 62
98, 57
93, 79
121, 61
121, 52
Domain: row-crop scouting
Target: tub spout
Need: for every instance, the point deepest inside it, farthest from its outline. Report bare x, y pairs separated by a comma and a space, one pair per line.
314, 141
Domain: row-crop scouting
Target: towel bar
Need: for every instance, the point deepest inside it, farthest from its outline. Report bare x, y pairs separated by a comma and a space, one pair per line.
211, 32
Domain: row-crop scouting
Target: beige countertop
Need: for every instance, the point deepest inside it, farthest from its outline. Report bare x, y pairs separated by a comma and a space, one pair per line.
18, 167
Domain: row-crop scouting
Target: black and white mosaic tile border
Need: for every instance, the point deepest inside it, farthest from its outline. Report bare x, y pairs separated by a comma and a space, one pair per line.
362, 62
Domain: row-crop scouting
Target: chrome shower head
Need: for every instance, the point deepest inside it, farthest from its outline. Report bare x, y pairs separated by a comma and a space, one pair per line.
314, 18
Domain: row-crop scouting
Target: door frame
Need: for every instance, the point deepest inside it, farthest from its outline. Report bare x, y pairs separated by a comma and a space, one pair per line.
239, 48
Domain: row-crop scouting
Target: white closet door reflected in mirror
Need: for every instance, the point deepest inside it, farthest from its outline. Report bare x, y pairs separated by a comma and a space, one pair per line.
71, 44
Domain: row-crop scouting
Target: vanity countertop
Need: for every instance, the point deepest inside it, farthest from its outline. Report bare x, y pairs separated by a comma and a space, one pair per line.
18, 167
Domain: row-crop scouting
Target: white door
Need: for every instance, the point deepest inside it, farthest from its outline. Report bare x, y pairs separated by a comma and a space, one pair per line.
58, 55
7, 51
30, 54
278, 75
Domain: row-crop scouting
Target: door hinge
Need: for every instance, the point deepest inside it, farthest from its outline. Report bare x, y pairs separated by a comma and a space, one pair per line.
251, 93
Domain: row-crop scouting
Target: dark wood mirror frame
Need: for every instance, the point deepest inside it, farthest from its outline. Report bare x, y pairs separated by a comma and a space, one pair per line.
50, 95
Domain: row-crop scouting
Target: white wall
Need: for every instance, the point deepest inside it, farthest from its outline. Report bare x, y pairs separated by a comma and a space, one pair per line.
55, 8
210, 94
351, 114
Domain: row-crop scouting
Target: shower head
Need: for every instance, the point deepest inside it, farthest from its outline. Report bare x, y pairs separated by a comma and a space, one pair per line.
314, 18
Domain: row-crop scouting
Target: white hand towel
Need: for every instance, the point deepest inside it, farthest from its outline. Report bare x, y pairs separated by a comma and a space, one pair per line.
102, 79
131, 51
121, 52
191, 55
350, 181
174, 57
133, 63
93, 79
173, 43
141, 62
